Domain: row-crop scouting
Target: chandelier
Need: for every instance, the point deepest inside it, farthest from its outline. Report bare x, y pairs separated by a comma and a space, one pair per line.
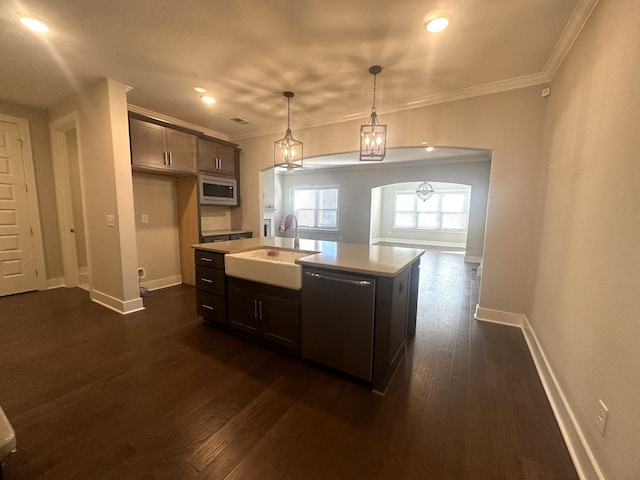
287, 152
425, 191
373, 136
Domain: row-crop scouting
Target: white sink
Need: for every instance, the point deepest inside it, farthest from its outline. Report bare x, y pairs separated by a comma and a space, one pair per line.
266, 265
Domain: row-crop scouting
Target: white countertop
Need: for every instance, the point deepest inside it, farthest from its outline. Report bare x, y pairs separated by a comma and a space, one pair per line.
349, 257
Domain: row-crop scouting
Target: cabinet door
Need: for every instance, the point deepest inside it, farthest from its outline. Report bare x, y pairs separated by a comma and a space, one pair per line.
147, 144
207, 155
243, 310
181, 148
280, 321
226, 160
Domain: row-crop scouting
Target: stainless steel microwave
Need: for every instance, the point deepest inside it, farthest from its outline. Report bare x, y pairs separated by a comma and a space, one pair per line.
217, 190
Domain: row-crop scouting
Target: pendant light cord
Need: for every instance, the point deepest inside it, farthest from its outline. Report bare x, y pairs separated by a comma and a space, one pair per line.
373, 107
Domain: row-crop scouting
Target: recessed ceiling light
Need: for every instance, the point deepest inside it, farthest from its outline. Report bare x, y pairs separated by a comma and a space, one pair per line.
200, 89
430, 148
436, 21
207, 99
34, 24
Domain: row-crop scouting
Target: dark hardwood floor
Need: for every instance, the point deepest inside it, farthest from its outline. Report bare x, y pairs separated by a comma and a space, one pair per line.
158, 395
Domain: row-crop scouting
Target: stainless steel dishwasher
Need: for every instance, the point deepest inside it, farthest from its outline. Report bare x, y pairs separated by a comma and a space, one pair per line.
338, 319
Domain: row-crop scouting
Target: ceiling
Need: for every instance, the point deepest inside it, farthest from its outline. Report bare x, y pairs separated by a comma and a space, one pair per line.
247, 52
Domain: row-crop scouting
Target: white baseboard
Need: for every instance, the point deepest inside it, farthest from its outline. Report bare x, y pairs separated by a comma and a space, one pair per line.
581, 454
162, 282
411, 241
120, 306
472, 259
55, 283
498, 316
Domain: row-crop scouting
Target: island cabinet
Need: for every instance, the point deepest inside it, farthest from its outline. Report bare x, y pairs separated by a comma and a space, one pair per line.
217, 157
161, 149
211, 287
393, 296
268, 313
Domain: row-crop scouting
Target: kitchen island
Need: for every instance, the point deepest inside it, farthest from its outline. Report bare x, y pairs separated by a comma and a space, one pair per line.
354, 312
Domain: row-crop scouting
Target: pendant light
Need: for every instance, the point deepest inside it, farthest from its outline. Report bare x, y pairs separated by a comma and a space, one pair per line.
287, 152
373, 136
425, 191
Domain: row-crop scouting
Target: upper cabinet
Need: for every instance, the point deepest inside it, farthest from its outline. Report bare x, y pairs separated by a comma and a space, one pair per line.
159, 148
216, 157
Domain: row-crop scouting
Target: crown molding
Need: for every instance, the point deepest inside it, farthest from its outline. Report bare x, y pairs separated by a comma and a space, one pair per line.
581, 13
176, 121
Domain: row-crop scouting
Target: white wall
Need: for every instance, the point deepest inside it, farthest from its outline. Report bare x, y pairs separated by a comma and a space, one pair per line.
157, 241
375, 232
103, 135
584, 308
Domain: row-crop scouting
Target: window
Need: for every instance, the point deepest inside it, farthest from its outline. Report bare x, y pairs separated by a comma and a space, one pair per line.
447, 210
316, 207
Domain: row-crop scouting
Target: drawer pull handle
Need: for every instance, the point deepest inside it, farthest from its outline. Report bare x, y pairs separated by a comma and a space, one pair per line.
205, 259
206, 280
208, 307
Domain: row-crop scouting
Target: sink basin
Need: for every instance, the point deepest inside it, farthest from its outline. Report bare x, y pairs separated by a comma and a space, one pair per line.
266, 265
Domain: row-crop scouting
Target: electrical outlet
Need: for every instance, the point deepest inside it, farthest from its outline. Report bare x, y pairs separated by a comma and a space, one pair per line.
111, 220
601, 418
145, 218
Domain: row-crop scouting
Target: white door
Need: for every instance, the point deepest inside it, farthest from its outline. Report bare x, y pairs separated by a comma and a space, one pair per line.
17, 262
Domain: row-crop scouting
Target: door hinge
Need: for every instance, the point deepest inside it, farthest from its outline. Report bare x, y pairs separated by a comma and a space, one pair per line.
26, 188
31, 230
36, 272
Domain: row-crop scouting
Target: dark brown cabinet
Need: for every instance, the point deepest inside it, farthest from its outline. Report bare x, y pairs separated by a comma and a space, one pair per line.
269, 313
225, 237
159, 148
211, 287
217, 158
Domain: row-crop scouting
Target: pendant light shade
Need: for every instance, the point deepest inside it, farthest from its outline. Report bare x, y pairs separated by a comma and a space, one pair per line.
287, 152
425, 191
373, 136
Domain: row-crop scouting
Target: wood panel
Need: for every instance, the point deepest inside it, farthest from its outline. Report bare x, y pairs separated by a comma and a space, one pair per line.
188, 225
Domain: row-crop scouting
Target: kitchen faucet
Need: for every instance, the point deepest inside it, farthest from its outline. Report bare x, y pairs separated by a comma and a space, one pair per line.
286, 223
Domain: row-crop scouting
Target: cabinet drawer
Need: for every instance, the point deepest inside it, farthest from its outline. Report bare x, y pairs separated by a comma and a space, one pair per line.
210, 280
240, 236
210, 259
211, 307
